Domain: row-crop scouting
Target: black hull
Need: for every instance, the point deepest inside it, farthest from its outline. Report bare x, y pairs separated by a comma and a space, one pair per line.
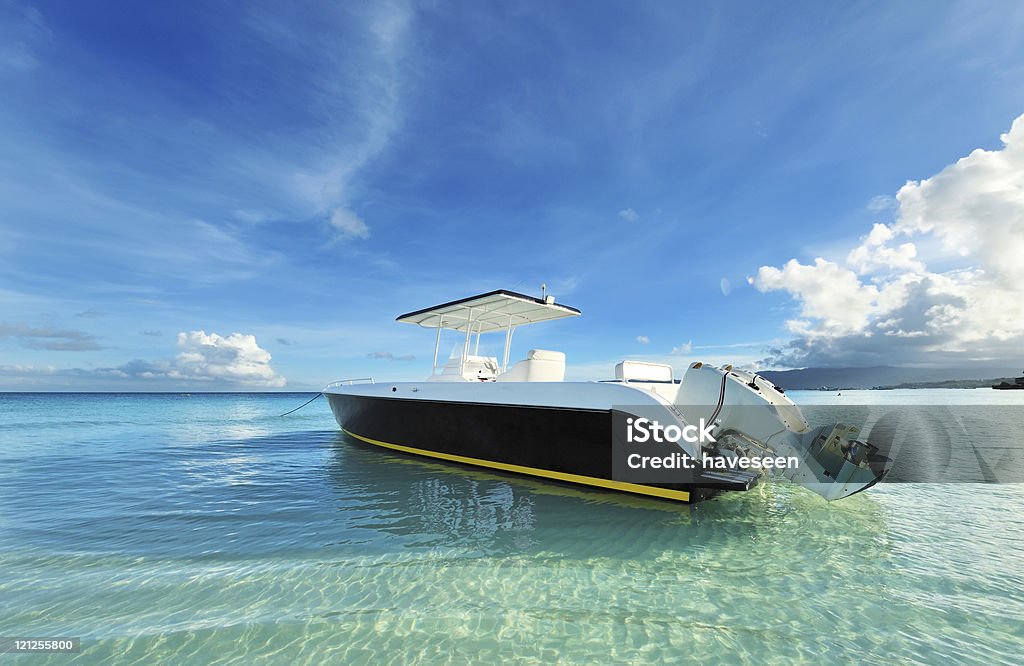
567, 445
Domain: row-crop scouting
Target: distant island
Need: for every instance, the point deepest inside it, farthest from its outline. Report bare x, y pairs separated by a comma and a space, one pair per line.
885, 378
949, 383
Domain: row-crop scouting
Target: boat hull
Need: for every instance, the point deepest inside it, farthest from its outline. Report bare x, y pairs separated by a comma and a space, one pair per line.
564, 444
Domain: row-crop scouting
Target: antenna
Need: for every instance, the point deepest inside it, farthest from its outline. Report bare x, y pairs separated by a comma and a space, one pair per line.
543, 290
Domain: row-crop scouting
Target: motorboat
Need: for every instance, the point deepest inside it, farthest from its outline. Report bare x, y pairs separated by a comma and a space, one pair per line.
524, 418
1018, 384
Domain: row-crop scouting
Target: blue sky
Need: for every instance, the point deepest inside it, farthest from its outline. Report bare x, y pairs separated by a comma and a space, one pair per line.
303, 174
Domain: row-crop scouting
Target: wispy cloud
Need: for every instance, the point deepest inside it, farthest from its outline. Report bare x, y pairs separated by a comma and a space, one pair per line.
643, 339
882, 202
737, 345
342, 65
23, 34
629, 215
388, 152
365, 77
390, 356
52, 339
683, 349
349, 225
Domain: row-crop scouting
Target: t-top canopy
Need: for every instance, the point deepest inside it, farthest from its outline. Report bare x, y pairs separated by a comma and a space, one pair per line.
493, 311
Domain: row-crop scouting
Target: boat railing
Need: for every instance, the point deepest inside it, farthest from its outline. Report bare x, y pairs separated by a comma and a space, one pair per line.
350, 382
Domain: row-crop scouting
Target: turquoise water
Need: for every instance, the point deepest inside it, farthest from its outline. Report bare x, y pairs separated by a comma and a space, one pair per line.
165, 528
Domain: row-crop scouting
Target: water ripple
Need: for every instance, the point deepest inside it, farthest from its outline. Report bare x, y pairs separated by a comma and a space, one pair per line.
190, 538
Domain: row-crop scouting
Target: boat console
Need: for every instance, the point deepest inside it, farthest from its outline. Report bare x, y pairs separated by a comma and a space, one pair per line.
471, 369
540, 365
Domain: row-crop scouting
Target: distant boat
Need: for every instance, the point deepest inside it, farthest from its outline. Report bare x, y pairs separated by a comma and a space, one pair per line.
1018, 383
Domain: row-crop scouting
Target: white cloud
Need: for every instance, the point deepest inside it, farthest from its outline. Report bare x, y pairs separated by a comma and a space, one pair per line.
366, 78
629, 215
251, 216
873, 253
48, 338
23, 35
886, 305
683, 349
234, 359
204, 359
831, 295
725, 286
975, 207
881, 203
643, 339
390, 356
349, 225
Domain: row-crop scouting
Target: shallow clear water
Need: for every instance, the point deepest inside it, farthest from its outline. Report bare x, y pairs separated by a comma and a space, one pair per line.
207, 529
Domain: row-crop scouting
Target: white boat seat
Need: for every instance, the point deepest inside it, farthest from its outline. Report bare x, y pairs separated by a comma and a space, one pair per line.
640, 371
540, 365
476, 369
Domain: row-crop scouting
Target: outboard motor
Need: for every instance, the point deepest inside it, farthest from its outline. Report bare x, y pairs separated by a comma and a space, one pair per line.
753, 417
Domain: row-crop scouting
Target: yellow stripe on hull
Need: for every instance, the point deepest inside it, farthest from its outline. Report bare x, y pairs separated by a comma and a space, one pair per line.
665, 493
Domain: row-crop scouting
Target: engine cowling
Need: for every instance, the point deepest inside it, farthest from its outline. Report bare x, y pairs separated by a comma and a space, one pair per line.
754, 417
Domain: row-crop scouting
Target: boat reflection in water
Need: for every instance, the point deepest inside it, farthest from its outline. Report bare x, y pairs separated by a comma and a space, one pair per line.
425, 504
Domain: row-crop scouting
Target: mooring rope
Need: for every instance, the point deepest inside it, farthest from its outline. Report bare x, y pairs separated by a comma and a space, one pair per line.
303, 404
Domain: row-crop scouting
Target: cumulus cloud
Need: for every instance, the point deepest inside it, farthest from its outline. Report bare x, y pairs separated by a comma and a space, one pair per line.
874, 253
629, 215
233, 360
210, 360
884, 304
51, 339
833, 301
643, 339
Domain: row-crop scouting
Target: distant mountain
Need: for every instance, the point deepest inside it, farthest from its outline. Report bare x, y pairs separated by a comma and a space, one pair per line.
877, 376
958, 383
